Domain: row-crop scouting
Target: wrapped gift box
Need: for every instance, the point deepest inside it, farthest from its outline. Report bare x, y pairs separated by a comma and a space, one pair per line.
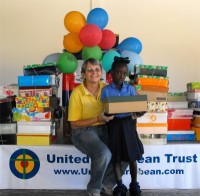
153, 95
151, 128
8, 128
123, 104
41, 80
193, 86
153, 106
34, 139
10, 90
33, 102
194, 103
151, 88
153, 139
153, 117
179, 124
176, 97
177, 104
34, 127
152, 70
186, 113
180, 136
153, 80
193, 95
31, 114
8, 139
41, 69
38, 91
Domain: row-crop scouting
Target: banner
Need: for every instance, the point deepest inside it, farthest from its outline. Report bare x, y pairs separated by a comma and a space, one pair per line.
173, 166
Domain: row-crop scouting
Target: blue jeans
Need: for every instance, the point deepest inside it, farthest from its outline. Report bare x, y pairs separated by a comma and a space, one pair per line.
93, 141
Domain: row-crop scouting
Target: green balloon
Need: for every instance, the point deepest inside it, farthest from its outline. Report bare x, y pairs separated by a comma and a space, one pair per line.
67, 63
92, 52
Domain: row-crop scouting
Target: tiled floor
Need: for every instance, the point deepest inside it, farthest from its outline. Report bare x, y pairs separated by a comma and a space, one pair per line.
188, 192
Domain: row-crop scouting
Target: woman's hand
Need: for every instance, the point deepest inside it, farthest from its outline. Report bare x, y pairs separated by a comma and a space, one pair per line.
105, 118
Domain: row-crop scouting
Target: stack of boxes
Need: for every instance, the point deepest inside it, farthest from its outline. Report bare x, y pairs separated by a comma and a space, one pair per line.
179, 118
193, 97
153, 81
37, 105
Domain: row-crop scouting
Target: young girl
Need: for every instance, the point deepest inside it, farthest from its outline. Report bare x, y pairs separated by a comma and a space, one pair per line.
125, 144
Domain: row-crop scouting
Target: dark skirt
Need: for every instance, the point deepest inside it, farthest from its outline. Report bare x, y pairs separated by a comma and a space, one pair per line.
124, 143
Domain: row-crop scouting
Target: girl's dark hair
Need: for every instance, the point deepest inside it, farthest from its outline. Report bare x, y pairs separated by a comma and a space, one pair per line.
92, 61
120, 61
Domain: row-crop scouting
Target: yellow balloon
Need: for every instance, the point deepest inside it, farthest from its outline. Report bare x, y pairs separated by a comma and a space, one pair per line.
74, 21
72, 43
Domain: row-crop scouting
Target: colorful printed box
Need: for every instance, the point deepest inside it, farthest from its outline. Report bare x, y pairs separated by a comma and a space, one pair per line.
193, 95
194, 103
153, 106
38, 91
33, 102
197, 132
153, 117
196, 120
151, 88
31, 114
153, 80
192, 86
151, 128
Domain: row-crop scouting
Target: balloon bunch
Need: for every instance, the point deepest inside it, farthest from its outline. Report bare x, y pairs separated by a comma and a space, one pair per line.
89, 37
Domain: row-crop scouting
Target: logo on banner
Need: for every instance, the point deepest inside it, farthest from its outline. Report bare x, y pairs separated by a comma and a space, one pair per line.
24, 164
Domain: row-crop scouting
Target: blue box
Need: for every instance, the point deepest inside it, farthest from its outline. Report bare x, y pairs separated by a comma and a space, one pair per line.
41, 80
180, 136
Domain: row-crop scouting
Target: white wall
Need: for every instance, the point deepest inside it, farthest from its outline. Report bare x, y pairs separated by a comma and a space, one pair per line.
168, 29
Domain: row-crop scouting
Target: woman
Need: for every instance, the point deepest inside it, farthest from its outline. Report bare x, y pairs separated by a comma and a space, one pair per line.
87, 120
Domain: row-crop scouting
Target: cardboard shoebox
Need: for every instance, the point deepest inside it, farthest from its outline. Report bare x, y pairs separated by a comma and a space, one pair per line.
123, 104
153, 139
181, 136
153, 80
179, 124
177, 104
152, 70
153, 117
195, 103
33, 139
176, 96
41, 80
153, 95
151, 88
196, 120
151, 128
193, 95
182, 113
197, 132
193, 86
34, 127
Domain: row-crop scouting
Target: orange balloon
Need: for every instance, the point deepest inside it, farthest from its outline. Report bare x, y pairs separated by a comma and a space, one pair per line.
74, 21
72, 43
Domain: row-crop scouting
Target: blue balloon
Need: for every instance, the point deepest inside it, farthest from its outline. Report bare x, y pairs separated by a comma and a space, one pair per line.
131, 44
52, 58
99, 17
134, 58
108, 59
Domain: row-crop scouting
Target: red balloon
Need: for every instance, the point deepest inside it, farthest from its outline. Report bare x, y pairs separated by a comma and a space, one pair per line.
108, 39
90, 35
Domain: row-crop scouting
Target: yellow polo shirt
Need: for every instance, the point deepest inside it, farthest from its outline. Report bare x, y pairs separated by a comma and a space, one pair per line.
82, 105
